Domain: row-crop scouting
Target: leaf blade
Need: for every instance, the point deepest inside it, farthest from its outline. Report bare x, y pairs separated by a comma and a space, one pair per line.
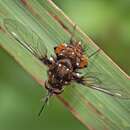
103, 63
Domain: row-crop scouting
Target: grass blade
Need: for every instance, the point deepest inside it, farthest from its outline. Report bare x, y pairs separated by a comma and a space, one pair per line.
95, 110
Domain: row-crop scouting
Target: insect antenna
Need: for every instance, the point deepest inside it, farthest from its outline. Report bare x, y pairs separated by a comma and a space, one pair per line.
45, 102
72, 34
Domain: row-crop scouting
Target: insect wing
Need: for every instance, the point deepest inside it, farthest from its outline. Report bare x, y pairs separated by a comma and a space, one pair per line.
26, 37
93, 81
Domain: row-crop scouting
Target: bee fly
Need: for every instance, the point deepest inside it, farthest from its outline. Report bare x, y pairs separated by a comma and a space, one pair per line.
63, 67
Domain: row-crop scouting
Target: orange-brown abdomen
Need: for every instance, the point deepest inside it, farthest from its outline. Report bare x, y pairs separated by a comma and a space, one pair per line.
83, 62
60, 48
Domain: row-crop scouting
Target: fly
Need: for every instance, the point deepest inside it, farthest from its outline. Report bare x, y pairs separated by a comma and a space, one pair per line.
64, 67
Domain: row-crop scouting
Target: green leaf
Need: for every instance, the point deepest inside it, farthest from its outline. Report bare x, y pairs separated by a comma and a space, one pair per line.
94, 109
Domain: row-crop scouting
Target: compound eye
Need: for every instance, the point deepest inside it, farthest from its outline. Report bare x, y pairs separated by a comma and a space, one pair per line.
83, 62
55, 48
58, 49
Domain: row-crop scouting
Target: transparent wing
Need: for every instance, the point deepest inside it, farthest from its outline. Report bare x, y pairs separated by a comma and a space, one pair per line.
105, 85
26, 37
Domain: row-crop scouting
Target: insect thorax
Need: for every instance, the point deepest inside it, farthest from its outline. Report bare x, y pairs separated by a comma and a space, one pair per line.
74, 52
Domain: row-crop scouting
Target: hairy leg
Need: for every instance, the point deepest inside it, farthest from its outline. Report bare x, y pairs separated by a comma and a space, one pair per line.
94, 53
72, 34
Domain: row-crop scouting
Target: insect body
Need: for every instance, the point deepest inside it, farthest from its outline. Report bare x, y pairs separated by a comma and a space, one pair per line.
64, 66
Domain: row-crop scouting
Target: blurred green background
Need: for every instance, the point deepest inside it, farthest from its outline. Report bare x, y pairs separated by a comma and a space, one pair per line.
107, 22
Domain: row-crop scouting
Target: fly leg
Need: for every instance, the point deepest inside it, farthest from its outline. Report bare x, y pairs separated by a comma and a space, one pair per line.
94, 53
46, 98
47, 86
78, 78
72, 34
48, 61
